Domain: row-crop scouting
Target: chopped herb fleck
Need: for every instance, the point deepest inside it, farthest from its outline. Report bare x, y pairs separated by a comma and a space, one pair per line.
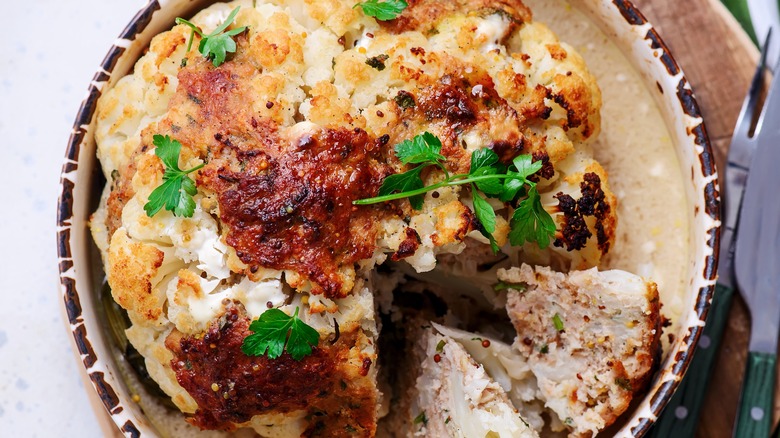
624, 383
558, 322
421, 418
520, 287
440, 346
545, 349
404, 99
378, 62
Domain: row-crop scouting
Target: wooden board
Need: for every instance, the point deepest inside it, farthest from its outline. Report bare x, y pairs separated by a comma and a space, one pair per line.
718, 59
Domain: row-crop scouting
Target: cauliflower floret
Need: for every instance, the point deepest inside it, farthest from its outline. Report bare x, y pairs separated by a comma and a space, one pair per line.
298, 124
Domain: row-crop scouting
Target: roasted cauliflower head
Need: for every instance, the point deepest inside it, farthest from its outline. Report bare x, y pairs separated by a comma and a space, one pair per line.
299, 122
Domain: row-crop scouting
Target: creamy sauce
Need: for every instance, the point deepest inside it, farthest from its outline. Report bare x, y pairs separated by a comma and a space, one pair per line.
637, 151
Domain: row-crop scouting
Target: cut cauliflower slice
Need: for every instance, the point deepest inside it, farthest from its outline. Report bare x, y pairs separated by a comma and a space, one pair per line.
591, 339
456, 397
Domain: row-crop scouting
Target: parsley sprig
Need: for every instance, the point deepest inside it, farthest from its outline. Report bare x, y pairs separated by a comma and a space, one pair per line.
530, 222
177, 189
275, 331
383, 10
216, 45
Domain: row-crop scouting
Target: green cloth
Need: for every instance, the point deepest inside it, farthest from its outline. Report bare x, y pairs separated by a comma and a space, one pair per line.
740, 10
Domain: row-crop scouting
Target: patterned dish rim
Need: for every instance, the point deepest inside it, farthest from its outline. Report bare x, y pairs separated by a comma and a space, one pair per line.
628, 27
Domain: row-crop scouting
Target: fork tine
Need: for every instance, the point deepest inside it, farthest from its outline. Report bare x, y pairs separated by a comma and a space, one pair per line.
748, 112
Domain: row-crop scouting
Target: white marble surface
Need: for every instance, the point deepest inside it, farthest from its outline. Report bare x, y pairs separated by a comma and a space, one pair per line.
50, 50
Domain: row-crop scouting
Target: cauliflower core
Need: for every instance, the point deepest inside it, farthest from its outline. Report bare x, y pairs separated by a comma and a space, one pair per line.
296, 125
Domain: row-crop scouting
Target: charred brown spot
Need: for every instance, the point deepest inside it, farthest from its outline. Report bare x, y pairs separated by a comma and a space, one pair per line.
574, 230
571, 116
594, 203
417, 51
547, 171
448, 102
507, 150
409, 246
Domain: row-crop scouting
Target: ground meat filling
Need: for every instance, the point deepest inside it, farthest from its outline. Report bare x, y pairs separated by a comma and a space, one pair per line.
231, 387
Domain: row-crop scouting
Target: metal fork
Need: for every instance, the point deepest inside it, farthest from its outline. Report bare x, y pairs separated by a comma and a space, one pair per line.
682, 413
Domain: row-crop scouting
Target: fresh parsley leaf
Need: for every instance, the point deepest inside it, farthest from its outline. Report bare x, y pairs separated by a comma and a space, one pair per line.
176, 192
383, 10
482, 158
275, 331
492, 186
526, 166
511, 187
216, 45
405, 182
486, 216
531, 222
484, 162
557, 322
484, 212
423, 148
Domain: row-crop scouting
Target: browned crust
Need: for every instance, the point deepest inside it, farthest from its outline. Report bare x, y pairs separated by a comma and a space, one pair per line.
247, 386
120, 193
409, 245
286, 202
132, 267
649, 356
424, 15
